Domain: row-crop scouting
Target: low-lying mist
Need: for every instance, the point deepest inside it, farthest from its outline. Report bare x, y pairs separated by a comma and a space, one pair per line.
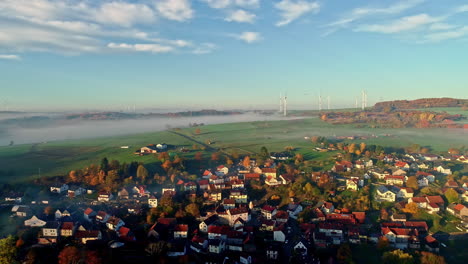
62, 129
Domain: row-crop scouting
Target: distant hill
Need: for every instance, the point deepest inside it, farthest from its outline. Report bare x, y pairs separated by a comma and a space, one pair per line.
420, 103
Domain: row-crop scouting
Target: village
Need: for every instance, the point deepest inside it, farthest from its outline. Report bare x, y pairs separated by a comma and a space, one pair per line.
254, 209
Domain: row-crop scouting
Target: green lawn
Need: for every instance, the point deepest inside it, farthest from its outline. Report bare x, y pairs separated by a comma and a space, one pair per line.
21, 162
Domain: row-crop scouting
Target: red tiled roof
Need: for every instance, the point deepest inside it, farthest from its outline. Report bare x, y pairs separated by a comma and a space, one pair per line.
235, 211
206, 173
360, 216
430, 239
269, 170
87, 234
417, 224
123, 231
459, 207
435, 199
203, 182
181, 228
229, 201
88, 211
268, 208
167, 221
252, 175
218, 229
67, 225
395, 177
419, 200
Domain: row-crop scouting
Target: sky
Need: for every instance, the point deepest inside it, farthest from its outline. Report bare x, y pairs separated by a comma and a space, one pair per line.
228, 54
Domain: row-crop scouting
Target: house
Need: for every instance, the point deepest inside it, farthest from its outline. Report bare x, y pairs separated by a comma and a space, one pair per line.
421, 202
203, 184
252, 176
215, 195
34, 222
384, 194
102, 217
430, 157
405, 192
222, 170
21, 211
114, 223
399, 237
105, 196
272, 252
268, 211
233, 214
451, 184
459, 210
123, 194
399, 172
89, 214
301, 247
352, 184
125, 234
294, 209
190, 186
398, 217
67, 229
180, 231
218, 232
216, 246
50, 233
272, 181
402, 165
58, 188
395, 180
16, 197
74, 191
240, 196
279, 234
423, 181
205, 224
198, 244
229, 203
83, 235
380, 175
328, 208
281, 216
235, 241
237, 184
445, 171
152, 202
430, 177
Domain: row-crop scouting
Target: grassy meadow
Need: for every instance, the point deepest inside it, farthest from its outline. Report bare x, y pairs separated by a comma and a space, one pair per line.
23, 162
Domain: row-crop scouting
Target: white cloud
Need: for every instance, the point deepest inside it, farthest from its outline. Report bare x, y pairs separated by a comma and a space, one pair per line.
9, 57
441, 26
249, 37
153, 48
461, 9
124, 14
399, 25
361, 12
453, 34
178, 10
293, 9
204, 48
240, 16
219, 4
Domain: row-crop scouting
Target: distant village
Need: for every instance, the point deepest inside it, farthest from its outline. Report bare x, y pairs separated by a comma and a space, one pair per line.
249, 209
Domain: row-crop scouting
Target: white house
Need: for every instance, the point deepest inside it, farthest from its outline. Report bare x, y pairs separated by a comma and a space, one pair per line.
152, 202
384, 194
58, 188
422, 181
446, 171
34, 222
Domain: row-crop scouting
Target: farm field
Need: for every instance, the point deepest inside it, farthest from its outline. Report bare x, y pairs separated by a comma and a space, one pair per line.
22, 162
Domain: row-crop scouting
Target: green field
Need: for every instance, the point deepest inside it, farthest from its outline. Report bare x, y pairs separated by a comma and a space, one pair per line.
22, 162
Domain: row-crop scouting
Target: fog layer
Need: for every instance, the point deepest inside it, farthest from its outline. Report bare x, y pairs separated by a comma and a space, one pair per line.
77, 129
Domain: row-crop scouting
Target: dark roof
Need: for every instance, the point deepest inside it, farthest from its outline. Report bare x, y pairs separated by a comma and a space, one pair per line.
52, 224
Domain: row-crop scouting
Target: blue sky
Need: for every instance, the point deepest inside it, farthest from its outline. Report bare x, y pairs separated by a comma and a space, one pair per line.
83, 54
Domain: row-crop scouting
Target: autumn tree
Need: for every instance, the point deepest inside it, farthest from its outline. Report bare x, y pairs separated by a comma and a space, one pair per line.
412, 182
142, 173
198, 131
112, 178
215, 156
167, 165
72, 176
192, 209
163, 156
397, 256
362, 147
198, 156
8, 250
246, 162
431, 258
352, 148
383, 214
451, 195
411, 208
69, 255
48, 210
383, 243
289, 148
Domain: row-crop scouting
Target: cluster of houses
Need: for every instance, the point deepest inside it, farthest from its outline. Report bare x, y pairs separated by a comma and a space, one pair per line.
232, 224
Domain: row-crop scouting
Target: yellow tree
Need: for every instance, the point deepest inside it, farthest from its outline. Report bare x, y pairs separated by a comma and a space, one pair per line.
362, 146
